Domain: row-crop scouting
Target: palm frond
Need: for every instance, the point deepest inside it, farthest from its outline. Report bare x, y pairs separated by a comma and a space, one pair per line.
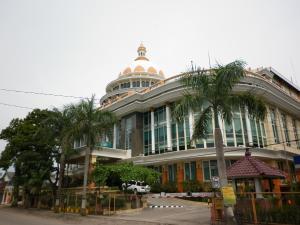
229, 75
188, 102
255, 104
202, 124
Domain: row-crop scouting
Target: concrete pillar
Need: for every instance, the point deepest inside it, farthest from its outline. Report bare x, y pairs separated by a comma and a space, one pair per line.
258, 189
184, 133
180, 176
115, 136
191, 125
3, 197
152, 132
248, 127
169, 137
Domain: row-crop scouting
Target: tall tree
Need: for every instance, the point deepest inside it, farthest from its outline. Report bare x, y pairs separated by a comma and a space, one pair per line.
215, 87
90, 123
32, 149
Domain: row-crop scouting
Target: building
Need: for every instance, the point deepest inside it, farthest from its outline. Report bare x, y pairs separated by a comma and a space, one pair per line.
147, 134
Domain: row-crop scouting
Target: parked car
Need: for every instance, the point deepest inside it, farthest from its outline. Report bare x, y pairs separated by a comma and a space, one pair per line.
136, 186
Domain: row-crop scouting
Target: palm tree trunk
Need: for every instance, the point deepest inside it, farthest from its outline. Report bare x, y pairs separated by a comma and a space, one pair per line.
58, 201
229, 216
85, 178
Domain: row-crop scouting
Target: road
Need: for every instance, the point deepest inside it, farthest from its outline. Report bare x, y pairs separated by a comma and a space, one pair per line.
189, 214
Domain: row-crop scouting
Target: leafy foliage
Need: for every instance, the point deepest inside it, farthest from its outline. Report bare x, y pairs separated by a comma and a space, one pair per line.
126, 172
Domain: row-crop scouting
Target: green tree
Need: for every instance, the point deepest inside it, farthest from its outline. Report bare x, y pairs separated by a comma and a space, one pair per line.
215, 87
91, 123
32, 149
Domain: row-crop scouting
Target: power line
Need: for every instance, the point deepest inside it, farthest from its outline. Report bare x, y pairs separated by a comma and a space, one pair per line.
44, 93
16, 106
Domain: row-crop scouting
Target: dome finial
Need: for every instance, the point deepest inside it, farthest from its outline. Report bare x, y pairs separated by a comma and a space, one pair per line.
142, 52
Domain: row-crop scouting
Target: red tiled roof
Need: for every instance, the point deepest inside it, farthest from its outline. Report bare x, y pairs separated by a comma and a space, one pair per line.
252, 167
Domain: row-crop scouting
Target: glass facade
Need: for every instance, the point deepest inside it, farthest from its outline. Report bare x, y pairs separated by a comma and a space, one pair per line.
274, 126
296, 133
210, 169
160, 130
190, 171
172, 173
128, 132
147, 133
285, 130
234, 133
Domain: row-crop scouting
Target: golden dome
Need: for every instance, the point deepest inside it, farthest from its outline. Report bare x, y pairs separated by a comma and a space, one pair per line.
127, 70
139, 68
151, 69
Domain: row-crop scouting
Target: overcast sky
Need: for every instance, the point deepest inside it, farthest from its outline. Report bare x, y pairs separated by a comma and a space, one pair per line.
77, 47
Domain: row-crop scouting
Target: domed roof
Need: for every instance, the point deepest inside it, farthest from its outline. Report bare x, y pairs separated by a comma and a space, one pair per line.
142, 65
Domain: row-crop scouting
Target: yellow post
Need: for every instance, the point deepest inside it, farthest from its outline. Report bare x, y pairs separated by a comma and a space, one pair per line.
253, 208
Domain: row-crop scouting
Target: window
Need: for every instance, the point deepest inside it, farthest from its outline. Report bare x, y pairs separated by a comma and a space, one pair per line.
296, 133
128, 132
116, 88
238, 128
125, 85
210, 169
145, 83
285, 129
147, 133
190, 171
274, 126
172, 173
160, 130
136, 84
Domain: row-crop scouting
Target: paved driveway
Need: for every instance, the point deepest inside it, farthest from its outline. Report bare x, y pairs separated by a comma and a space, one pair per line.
191, 213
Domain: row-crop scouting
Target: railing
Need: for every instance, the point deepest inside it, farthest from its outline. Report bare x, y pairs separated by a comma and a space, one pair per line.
249, 73
99, 201
263, 208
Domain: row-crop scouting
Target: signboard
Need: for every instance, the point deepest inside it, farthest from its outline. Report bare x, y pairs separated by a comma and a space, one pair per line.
228, 195
215, 182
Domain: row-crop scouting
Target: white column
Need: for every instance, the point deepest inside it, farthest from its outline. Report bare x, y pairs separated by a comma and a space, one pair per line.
249, 134
258, 188
242, 126
152, 132
191, 123
191, 126
3, 197
169, 137
115, 136
184, 133
177, 137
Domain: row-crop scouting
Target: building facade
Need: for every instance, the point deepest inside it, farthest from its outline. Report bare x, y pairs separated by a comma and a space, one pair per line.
147, 133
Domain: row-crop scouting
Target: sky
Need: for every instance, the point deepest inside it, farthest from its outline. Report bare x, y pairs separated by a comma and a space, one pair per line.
75, 48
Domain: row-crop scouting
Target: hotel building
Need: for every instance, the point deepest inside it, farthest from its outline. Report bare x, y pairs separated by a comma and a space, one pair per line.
147, 133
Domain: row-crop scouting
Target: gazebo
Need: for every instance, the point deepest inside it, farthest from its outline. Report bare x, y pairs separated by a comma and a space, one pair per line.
252, 169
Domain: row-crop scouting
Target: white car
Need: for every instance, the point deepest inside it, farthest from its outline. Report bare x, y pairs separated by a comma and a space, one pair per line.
136, 186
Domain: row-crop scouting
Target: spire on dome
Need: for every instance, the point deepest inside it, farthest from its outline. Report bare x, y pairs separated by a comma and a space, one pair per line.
141, 53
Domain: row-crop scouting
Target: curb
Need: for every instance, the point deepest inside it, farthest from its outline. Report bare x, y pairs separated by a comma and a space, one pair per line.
165, 206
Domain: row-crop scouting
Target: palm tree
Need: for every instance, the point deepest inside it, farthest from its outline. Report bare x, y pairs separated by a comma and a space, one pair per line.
215, 87
90, 123
64, 120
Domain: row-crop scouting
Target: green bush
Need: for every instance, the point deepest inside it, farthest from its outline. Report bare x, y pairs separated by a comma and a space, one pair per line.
170, 187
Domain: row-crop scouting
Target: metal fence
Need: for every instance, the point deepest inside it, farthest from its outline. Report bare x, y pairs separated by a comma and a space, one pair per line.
268, 208
261, 208
99, 202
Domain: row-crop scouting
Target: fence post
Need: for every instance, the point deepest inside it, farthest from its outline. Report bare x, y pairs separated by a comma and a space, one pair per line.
114, 203
109, 204
253, 208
